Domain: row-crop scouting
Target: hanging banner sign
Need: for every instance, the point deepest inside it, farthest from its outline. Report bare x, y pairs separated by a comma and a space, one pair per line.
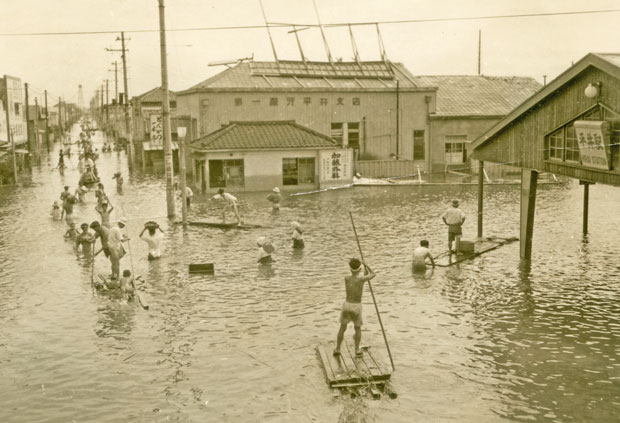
593, 137
336, 165
157, 130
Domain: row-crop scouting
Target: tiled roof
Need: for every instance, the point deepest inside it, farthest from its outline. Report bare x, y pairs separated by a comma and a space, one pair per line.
475, 95
317, 75
156, 95
262, 135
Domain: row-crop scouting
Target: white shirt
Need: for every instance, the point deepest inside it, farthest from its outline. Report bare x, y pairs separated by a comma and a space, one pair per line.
229, 198
154, 242
188, 192
453, 216
114, 237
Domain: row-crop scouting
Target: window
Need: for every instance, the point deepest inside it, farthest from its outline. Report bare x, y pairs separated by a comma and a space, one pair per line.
226, 173
555, 145
353, 135
337, 132
418, 145
16, 108
298, 171
455, 150
572, 146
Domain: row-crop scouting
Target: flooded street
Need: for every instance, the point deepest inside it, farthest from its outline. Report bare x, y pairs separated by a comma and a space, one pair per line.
489, 340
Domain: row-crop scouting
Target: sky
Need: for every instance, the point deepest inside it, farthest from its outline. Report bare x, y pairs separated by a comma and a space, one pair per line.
524, 46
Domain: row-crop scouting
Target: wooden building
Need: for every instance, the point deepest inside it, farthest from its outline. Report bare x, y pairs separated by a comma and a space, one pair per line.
374, 108
570, 127
258, 156
468, 106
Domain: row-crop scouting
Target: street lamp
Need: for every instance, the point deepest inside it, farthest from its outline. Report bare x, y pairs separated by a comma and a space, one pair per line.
181, 132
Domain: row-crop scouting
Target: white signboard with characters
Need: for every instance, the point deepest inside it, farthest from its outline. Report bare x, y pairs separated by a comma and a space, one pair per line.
336, 166
157, 130
593, 139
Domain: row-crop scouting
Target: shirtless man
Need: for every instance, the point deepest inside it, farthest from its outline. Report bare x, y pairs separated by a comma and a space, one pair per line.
86, 240
230, 203
104, 212
352, 307
153, 239
420, 255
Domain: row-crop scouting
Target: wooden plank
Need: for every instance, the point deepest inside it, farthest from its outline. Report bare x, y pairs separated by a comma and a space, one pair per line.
482, 246
197, 268
224, 225
327, 367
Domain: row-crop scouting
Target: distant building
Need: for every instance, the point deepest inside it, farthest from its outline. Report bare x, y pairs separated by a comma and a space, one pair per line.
257, 156
12, 96
375, 108
467, 106
148, 126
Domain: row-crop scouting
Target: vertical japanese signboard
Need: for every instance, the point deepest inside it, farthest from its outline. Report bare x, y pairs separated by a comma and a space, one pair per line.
336, 166
157, 130
593, 139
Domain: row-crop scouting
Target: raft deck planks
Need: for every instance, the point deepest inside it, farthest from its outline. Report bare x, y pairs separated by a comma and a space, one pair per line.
481, 246
223, 225
347, 370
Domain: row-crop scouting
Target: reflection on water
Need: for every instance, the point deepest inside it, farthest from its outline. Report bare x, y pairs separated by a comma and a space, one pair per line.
492, 339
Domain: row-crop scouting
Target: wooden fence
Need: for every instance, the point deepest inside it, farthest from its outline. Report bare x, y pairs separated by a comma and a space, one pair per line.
385, 168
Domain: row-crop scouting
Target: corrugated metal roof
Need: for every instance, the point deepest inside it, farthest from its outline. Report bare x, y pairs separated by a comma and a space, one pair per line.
347, 75
478, 95
262, 135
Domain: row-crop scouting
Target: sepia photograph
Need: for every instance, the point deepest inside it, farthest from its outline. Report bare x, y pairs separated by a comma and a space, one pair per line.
309, 211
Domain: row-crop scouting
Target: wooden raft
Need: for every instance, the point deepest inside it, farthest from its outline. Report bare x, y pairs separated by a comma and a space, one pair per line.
347, 370
221, 225
481, 246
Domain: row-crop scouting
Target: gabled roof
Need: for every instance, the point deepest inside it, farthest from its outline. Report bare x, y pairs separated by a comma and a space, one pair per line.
156, 95
607, 62
311, 75
280, 135
478, 95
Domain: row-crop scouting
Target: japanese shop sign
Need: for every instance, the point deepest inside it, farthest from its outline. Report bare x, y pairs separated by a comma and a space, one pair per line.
593, 137
157, 130
336, 165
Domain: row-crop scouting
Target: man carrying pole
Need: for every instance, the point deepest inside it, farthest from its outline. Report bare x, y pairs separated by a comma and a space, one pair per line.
352, 307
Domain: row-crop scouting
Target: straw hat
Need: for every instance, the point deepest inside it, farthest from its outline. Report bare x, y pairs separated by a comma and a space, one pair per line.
276, 189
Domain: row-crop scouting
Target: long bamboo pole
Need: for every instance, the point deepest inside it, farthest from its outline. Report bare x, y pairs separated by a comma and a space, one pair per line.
372, 293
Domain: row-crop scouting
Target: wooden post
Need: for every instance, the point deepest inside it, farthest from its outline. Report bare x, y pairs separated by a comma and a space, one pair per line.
480, 195
9, 136
128, 112
26, 99
182, 176
47, 124
586, 195
397, 119
166, 113
529, 179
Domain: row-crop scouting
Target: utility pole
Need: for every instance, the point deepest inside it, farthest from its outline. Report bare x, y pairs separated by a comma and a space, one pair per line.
107, 104
27, 118
166, 113
102, 115
47, 129
9, 137
479, 50
128, 128
59, 115
36, 129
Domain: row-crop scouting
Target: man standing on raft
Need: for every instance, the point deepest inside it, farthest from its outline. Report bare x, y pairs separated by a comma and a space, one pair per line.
352, 307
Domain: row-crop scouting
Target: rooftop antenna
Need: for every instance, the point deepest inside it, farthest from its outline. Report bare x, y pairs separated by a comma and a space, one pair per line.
329, 54
382, 49
295, 31
356, 54
273, 47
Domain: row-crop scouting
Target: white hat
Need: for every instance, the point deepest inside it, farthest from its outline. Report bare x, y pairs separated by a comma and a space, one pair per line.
295, 224
123, 221
276, 189
261, 240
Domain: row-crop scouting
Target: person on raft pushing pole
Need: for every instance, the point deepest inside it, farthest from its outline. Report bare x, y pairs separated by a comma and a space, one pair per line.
230, 202
352, 307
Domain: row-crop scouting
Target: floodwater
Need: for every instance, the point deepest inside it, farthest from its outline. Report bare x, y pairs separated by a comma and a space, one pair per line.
489, 340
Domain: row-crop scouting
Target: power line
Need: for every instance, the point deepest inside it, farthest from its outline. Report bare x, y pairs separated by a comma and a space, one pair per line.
332, 25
